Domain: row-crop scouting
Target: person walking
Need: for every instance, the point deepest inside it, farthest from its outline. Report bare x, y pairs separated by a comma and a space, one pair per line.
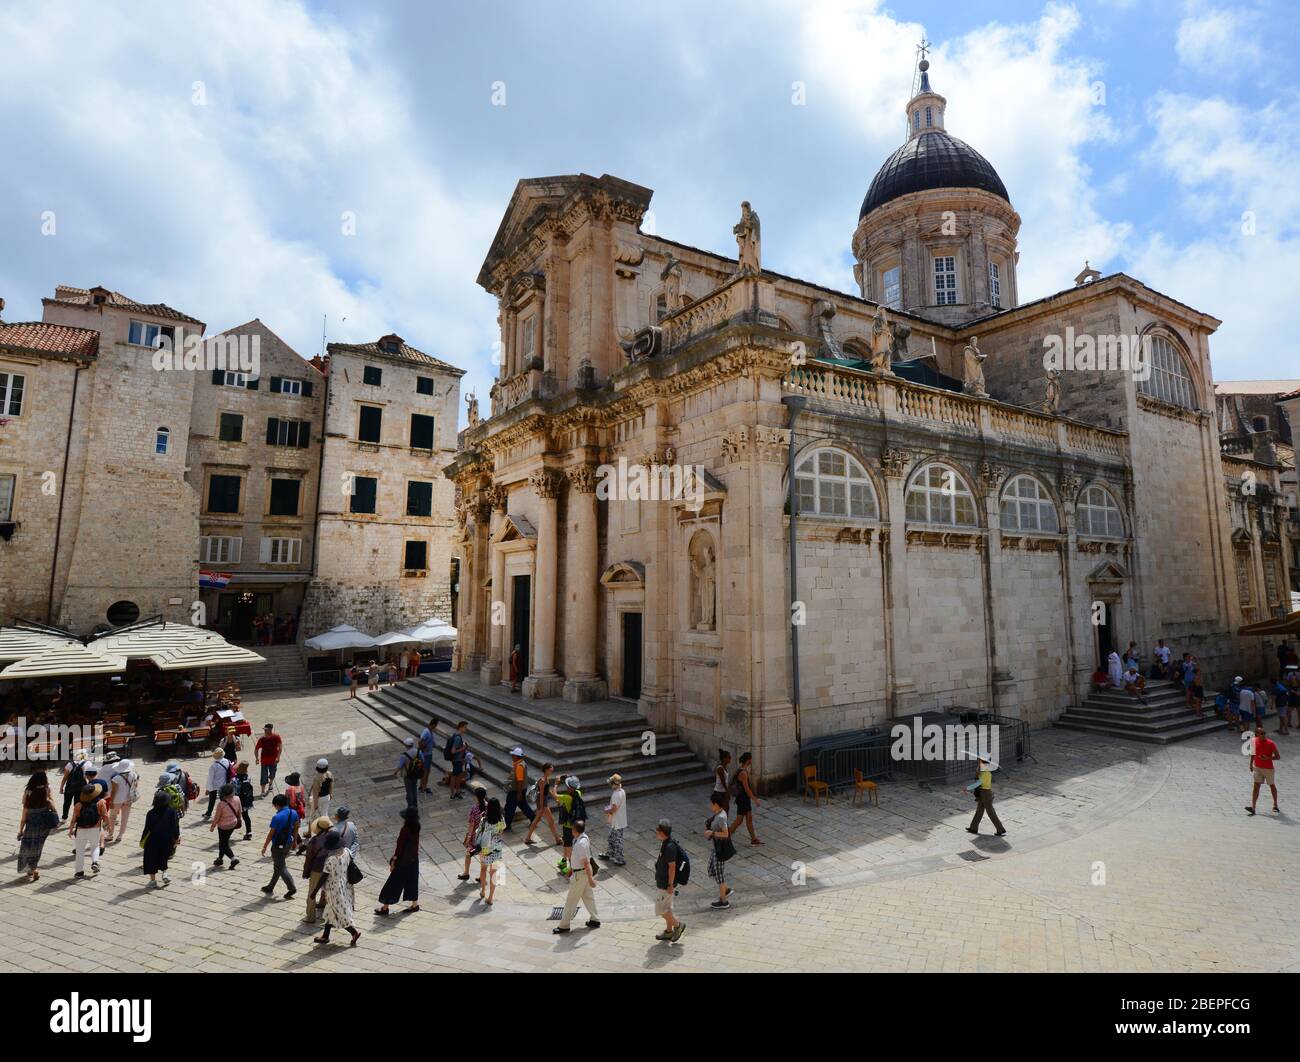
582, 882
228, 815
266, 754
982, 788
160, 839
313, 865
721, 780
220, 771
568, 798
296, 794
616, 817
718, 832
458, 748
90, 817
372, 677
489, 846
410, 769
428, 739
281, 837
347, 829
516, 668
476, 813
123, 792
340, 894
671, 857
244, 790
38, 818
746, 799
517, 794
1263, 756
403, 882
322, 788
543, 787
74, 777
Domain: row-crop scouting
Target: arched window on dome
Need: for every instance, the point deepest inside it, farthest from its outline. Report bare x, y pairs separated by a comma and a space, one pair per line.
1026, 506
1097, 515
916, 119
929, 118
1169, 379
830, 482
938, 495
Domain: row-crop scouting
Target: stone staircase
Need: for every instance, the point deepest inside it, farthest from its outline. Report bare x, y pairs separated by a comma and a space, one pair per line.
1163, 719
592, 740
285, 669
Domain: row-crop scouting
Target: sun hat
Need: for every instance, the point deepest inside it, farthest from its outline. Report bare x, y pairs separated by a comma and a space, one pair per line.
322, 764
615, 779
572, 782
517, 751
320, 825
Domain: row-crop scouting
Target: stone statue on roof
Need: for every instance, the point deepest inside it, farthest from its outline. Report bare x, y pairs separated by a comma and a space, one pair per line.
972, 369
882, 341
748, 241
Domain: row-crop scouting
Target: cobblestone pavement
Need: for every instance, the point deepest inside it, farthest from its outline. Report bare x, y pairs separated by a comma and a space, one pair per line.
1119, 856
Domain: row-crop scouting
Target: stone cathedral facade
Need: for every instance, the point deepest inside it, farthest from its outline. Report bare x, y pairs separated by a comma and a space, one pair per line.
974, 523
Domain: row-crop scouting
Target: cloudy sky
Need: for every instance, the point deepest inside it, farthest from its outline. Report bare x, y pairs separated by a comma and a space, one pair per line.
207, 155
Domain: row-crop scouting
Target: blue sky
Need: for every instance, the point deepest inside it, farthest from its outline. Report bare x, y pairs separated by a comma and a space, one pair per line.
205, 156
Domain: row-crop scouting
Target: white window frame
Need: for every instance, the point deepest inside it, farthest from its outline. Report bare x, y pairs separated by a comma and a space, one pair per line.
943, 498
8, 490
995, 285
944, 268
929, 118
1169, 379
290, 386
163, 437
147, 332
235, 379
281, 551
1095, 504
13, 386
822, 490
220, 549
1027, 506
891, 294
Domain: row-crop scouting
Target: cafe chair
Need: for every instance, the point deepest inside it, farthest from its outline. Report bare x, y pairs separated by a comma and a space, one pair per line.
813, 786
862, 785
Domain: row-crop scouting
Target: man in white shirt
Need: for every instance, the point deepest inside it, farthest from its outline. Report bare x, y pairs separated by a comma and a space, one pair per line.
616, 816
582, 882
122, 793
1162, 654
219, 773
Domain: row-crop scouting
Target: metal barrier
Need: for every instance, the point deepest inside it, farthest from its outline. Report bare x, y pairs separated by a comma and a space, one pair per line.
331, 677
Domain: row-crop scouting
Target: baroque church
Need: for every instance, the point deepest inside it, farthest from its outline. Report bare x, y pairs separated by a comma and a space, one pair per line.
900, 508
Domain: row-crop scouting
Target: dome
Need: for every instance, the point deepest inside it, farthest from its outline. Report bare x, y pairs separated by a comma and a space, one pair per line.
931, 159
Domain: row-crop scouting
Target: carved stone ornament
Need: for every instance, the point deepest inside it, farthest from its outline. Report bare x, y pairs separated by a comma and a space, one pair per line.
583, 478
993, 475
643, 344
893, 462
496, 496
547, 483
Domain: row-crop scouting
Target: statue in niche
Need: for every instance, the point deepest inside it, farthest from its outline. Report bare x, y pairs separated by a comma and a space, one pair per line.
972, 369
748, 240
704, 582
882, 341
472, 416
672, 278
1052, 400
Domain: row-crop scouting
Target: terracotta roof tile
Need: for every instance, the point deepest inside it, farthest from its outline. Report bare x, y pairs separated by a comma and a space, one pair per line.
403, 352
43, 338
70, 296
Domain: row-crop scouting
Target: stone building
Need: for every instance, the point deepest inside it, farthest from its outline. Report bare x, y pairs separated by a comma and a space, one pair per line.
255, 452
387, 519
989, 495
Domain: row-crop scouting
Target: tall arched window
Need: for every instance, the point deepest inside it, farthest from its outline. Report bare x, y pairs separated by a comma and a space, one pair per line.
938, 495
1026, 506
1097, 514
829, 482
1169, 379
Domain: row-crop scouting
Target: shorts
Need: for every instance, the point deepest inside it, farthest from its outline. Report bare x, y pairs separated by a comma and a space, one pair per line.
458, 765
717, 868
1263, 776
743, 806
268, 773
426, 758
1198, 692
663, 902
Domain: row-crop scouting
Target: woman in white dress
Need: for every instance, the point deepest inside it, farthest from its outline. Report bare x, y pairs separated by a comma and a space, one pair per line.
340, 899
1115, 670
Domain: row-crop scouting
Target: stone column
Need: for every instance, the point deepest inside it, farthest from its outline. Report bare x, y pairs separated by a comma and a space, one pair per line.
542, 680
893, 463
490, 671
582, 682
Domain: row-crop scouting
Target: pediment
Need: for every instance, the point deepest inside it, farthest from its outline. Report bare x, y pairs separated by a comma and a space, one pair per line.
1107, 572
515, 529
624, 575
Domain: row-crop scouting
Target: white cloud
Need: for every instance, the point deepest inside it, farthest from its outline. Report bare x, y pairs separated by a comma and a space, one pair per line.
1219, 41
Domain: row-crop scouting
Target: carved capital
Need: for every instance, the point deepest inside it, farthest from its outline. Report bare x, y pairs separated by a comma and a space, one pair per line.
665, 455
1069, 484
547, 483
893, 462
993, 475
496, 497
583, 478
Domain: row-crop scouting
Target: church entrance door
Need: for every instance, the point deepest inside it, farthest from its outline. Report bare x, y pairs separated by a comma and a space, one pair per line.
520, 610
631, 654
1105, 638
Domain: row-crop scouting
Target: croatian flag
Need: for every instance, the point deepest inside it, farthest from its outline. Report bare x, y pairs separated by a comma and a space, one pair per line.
213, 580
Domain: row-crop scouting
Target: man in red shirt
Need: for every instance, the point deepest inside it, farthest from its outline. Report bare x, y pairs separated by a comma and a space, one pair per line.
1261, 761
267, 753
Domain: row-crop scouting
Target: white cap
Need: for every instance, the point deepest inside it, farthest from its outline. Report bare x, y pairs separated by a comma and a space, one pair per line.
122, 766
321, 763
1237, 679
90, 768
517, 751
410, 744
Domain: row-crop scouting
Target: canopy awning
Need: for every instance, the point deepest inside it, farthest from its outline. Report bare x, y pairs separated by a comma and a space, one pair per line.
395, 638
432, 632
144, 643
211, 652
73, 659
16, 643
344, 636
1289, 624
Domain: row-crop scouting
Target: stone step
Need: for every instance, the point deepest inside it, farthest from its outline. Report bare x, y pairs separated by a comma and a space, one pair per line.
1165, 736
496, 700
1177, 713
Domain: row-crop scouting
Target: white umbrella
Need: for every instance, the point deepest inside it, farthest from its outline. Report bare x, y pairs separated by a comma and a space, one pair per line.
212, 652
343, 636
17, 643
395, 638
433, 632
144, 642
71, 659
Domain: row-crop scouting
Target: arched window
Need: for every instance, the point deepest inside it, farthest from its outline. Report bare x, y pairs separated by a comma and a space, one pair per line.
1168, 378
1026, 506
938, 495
929, 118
916, 119
1097, 514
161, 440
829, 482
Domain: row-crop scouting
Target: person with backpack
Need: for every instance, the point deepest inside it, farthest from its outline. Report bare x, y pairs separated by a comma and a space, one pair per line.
74, 777
428, 739
616, 816
161, 836
517, 794
123, 791
455, 750
87, 829
568, 797
322, 789
281, 837
722, 848
228, 814
582, 882
295, 794
244, 790
34, 826
542, 788
188, 788
220, 772
410, 769
672, 870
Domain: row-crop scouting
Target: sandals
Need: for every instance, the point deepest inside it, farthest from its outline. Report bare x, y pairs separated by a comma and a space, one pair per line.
382, 912
355, 937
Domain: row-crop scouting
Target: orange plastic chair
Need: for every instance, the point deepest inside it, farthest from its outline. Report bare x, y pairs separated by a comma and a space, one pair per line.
811, 785
861, 785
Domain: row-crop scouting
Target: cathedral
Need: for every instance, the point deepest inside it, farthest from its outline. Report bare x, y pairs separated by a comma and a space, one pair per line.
925, 494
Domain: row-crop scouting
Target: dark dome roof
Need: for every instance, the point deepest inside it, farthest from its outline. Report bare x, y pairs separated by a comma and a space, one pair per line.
932, 160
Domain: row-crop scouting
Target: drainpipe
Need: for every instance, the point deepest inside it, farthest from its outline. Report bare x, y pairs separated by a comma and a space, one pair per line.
795, 404
63, 487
